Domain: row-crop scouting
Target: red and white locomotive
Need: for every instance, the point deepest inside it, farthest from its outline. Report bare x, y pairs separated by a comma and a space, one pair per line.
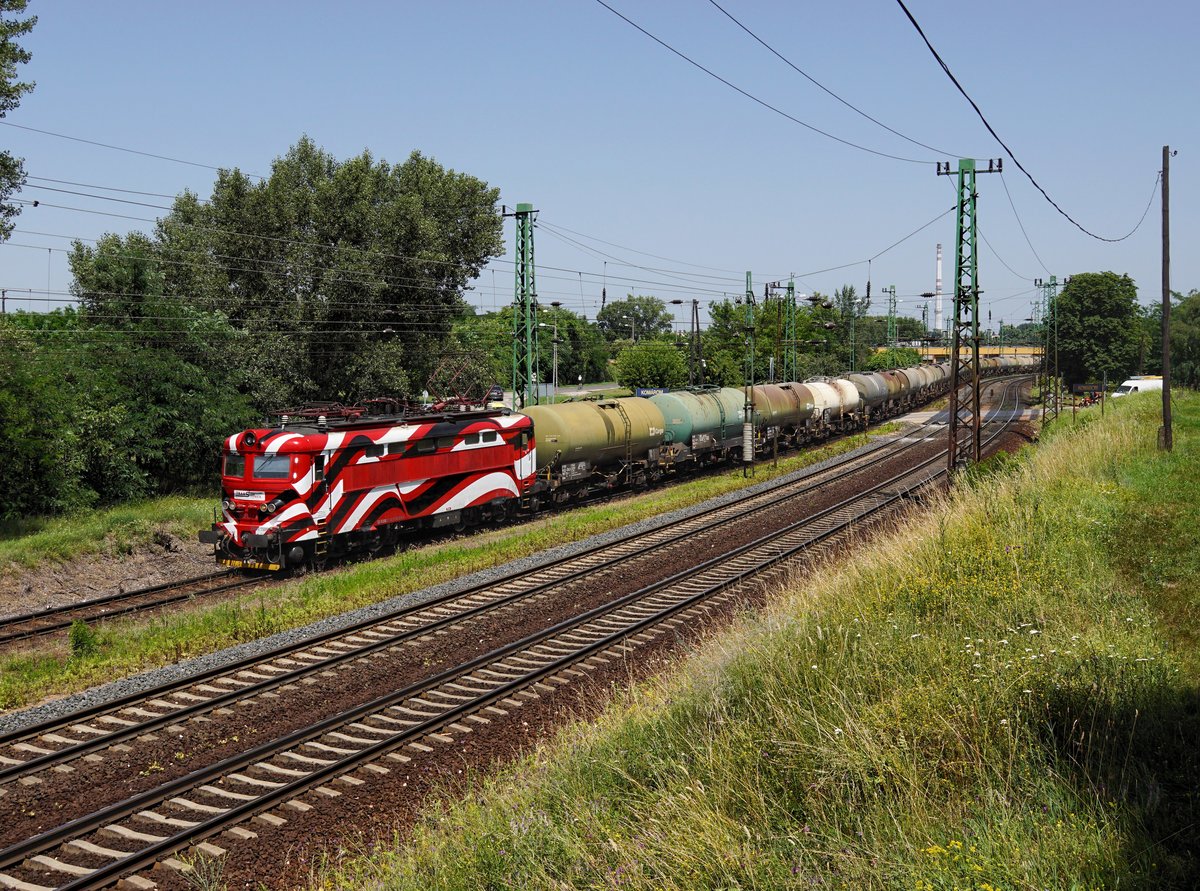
339, 479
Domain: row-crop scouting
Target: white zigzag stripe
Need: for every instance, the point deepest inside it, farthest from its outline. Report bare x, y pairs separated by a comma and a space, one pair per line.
478, 488
369, 500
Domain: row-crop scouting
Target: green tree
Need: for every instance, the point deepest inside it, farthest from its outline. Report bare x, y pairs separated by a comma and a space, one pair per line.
634, 318
651, 363
346, 276
160, 393
36, 438
1185, 340
12, 169
1099, 330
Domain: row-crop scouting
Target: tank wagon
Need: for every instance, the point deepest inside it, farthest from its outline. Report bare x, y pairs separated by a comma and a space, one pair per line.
333, 480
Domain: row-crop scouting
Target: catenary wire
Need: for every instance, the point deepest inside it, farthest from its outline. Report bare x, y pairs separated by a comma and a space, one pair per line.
822, 86
120, 148
1020, 166
754, 98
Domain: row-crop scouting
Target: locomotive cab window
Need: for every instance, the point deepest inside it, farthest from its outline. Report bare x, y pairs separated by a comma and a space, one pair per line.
318, 468
488, 436
271, 467
235, 465
426, 446
471, 439
376, 451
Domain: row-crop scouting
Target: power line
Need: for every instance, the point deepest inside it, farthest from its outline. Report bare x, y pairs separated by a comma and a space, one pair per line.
996, 136
822, 86
1022, 225
119, 148
67, 182
753, 98
542, 221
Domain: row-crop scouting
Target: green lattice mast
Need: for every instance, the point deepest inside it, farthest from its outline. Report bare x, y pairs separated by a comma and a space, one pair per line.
525, 346
965, 417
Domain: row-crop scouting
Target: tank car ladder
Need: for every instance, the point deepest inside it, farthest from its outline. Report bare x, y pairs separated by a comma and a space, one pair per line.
628, 440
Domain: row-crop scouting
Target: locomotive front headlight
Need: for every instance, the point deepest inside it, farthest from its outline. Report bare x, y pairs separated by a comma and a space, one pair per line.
228, 504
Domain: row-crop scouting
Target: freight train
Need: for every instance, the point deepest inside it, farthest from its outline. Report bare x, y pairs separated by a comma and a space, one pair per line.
331, 480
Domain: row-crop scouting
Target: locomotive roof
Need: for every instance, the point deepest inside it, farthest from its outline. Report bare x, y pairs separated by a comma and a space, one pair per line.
292, 436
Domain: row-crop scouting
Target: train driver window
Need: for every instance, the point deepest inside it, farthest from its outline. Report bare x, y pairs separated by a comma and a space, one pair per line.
318, 468
488, 436
271, 467
235, 465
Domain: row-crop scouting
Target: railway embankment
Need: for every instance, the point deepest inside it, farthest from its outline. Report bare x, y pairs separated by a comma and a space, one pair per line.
1005, 693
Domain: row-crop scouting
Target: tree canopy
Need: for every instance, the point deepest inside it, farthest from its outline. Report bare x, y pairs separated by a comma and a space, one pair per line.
635, 318
344, 276
1099, 331
12, 169
651, 363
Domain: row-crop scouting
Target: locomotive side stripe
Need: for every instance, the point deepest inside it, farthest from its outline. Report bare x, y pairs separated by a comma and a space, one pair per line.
477, 488
365, 503
388, 502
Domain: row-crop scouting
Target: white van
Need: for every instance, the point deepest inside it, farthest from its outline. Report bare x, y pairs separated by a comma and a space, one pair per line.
1138, 385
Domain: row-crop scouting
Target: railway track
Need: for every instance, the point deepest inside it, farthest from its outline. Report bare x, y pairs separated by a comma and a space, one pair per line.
25, 626
132, 834
59, 741
56, 618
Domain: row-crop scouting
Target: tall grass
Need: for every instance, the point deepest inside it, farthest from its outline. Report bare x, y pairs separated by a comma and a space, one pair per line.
123, 647
990, 698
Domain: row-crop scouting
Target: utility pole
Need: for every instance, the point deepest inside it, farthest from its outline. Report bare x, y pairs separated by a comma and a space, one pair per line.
789, 332
748, 421
891, 317
696, 354
1165, 436
525, 342
965, 415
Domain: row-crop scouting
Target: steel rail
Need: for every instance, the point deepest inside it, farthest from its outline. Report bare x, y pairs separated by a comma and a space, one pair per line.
315, 777
60, 616
153, 797
727, 513
237, 813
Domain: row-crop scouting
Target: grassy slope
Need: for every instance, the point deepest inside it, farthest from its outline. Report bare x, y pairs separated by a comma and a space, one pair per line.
129, 646
1003, 695
115, 530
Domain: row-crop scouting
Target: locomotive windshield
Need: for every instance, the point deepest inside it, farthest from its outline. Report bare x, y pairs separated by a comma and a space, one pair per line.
271, 467
235, 465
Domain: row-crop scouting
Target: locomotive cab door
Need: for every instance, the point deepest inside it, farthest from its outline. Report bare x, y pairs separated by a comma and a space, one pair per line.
321, 513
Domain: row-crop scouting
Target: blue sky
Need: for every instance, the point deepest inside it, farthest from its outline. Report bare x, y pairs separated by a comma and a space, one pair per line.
562, 104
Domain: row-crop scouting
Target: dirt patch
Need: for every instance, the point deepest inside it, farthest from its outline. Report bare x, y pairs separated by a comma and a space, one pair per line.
165, 558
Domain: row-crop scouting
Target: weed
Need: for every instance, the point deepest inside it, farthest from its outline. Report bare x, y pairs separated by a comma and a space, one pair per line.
82, 640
